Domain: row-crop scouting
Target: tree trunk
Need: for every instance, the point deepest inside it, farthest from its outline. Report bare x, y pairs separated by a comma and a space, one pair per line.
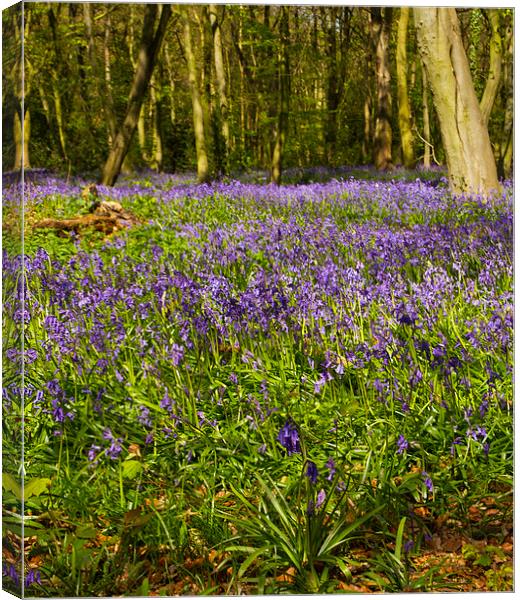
495, 66
426, 121
506, 143
157, 142
405, 115
381, 20
22, 135
59, 117
215, 15
198, 112
109, 105
150, 45
283, 99
471, 164
332, 84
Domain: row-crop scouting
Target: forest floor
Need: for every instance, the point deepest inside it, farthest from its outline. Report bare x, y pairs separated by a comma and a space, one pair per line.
237, 388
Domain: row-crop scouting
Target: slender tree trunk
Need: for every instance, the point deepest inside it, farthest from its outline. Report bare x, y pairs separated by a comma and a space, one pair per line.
332, 91
283, 99
471, 164
109, 105
198, 112
368, 130
215, 15
405, 115
506, 143
495, 66
150, 45
157, 143
381, 20
426, 121
22, 136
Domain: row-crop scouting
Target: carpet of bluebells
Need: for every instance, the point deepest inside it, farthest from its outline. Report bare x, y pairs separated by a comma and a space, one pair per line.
236, 394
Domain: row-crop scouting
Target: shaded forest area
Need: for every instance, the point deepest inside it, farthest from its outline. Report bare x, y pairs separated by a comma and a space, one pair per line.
230, 88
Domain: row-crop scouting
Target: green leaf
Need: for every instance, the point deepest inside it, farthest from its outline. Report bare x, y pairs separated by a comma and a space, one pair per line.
253, 556
10, 484
131, 469
35, 487
399, 538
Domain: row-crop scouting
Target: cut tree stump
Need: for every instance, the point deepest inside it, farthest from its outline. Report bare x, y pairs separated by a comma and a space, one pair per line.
106, 216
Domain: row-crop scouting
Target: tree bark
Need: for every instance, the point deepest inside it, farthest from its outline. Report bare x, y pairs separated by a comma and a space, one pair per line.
495, 66
109, 105
151, 41
215, 15
380, 21
506, 143
332, 83
426, 121
283, 99
198, 111
405, 115
471, 164
22, 135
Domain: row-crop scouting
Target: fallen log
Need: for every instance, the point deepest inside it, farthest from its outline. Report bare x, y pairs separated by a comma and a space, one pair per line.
105, 224
106, 216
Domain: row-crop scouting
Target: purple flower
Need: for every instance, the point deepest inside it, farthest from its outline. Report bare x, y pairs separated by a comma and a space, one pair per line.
92, 453
289, 438
427, 481
320, 499
331, 466
456, 442
144, 416
402, 444
115, 449
11, 572
33, 576
233, 378
483, 408
408, 546
312, 472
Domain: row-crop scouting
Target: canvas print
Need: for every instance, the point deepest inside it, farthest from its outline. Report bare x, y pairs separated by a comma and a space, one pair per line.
257, 299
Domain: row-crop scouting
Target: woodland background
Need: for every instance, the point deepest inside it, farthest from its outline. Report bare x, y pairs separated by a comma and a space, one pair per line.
340, 85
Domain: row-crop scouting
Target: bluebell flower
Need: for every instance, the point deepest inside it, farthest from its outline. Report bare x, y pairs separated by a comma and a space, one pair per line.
331, 466
312, 472
289, 438
33, 576
402, 444
320, 499
427, 481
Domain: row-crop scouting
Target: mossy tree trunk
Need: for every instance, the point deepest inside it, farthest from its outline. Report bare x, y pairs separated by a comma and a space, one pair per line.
471, 164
